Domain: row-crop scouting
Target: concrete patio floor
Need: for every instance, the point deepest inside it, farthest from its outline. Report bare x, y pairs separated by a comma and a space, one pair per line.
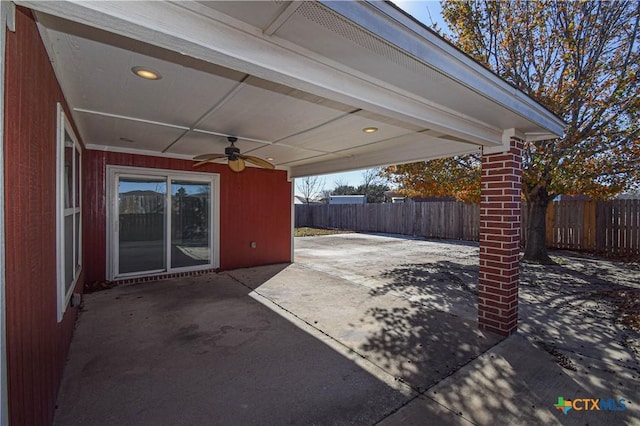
362, 330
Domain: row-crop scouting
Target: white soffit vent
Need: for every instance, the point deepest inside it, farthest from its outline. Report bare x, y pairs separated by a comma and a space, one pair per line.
353, 32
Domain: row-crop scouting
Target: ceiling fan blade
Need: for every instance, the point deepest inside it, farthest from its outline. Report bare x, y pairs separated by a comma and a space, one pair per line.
208, 157
258, 161
203, 162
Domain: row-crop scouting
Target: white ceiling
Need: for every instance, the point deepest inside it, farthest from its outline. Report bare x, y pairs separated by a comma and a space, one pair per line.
197, 102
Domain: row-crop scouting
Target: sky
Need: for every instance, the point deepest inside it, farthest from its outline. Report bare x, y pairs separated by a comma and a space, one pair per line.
427, 12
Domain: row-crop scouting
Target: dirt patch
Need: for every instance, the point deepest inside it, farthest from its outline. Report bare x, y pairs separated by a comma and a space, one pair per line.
561, 359
314, 232
627, 303
96, 286
602, 296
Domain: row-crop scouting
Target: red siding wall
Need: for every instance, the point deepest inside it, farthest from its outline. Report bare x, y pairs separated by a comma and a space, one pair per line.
36, 344
255, 205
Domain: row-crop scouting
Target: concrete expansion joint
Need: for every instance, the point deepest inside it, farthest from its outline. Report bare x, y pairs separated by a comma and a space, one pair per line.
602, 360
425, 393
302, 320
418, 392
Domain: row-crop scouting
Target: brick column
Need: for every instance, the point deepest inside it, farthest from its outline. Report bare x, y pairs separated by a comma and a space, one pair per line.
500, 240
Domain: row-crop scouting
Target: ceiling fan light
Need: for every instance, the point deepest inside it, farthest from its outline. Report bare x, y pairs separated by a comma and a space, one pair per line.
237, 165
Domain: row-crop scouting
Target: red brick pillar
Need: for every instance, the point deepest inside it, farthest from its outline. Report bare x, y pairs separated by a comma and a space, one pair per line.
500, 240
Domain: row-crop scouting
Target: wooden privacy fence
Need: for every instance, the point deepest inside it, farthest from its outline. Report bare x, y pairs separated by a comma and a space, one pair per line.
611, 227
439, 219
143, 217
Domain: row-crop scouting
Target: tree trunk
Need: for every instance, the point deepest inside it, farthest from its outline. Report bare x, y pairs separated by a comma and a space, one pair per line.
536, 245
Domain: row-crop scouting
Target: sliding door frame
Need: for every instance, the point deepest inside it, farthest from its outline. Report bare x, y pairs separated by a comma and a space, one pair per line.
112, 217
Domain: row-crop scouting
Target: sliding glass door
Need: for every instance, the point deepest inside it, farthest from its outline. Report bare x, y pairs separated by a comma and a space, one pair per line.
190, 223
142, 222
164, 222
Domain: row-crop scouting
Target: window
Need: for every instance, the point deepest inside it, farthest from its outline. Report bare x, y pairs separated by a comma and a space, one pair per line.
69, 211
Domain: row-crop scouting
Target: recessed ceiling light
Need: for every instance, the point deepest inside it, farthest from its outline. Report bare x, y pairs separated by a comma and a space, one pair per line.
370, 129
146, 73
270, 158
127, 140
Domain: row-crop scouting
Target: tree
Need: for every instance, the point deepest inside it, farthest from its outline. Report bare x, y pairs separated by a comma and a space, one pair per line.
457, 177
372, 185
371, 177
579, 59
374, 192
310, 187
344, 189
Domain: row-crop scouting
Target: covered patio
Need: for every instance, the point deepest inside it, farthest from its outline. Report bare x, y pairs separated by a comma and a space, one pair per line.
361, 330
106, 100
313, 87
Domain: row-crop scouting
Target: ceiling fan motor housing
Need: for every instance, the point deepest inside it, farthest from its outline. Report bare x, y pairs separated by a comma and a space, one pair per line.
231, 152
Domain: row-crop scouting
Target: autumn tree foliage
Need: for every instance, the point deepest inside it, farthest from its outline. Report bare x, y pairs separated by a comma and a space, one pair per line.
579, 59
457, 177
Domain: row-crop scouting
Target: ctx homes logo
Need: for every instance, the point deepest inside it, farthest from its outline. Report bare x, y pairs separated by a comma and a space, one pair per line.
589, 404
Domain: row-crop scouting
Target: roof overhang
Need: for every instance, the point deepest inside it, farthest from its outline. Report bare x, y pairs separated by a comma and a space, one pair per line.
296, 81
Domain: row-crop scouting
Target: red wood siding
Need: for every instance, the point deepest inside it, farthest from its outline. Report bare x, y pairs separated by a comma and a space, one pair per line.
36, 343
255, 205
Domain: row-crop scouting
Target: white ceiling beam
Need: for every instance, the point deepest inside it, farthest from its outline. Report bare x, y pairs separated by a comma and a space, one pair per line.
408, 153
215, 40
283, 17
129, 118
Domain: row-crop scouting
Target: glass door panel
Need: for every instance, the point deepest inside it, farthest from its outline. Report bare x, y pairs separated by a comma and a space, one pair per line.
142, 224
190, 223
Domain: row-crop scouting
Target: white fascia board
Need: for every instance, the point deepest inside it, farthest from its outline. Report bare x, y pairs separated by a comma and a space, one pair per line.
387, 22
246, 49
377, 159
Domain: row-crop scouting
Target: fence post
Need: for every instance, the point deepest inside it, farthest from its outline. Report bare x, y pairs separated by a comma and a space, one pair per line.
589, 224
551, 223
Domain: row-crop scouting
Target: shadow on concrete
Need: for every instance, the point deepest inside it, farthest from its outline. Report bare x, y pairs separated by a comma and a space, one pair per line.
445, 285
200, 350
514, 383
428, 334
571, 344
569, 308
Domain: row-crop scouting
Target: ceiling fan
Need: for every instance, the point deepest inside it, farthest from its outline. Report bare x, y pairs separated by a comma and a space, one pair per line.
236, 160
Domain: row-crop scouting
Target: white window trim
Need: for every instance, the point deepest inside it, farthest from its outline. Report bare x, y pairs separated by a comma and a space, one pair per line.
64, 127
113, 172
